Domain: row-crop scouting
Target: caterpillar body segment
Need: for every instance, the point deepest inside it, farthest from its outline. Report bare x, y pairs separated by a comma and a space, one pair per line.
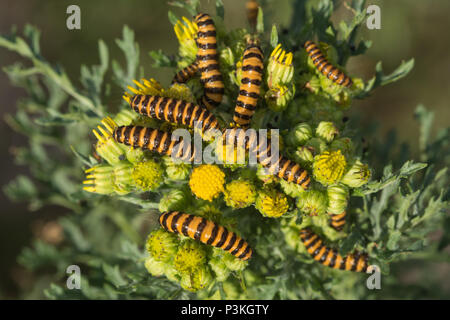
325, 67
276, 164
337, 221
173, 110
205, 231
330, 257
208, 62
154, 140
252, 12
186, 73
252, 72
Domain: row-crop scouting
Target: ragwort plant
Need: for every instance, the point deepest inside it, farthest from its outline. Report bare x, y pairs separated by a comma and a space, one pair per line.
368, 205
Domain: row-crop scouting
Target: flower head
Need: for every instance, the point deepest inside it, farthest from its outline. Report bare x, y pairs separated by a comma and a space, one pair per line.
154, 267
148, 175
125, 117
174, 200
123, 182
272, 203
232, 156
162, 245
207, 181
209, 212
190, 257
279, 96
240, 193
329, 167
290, 188
316, 146
199, 280
186, 32
99, 179
343, 144
337, 198
358, 175
280, 69
176, 169
106, 146
327, 131
299, 134
313, 202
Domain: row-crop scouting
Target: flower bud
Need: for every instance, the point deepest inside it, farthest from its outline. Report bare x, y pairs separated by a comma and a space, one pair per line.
304, 155
100, 179
358, 175
345, 145
280, 69
190, 257
220, 269
316, 146
123, 182
134, 155
154, 267
263, 175
170, 272
209, 211
179, 91
176, 169
230, 155
327, 131
271, 203
207, 181
278, 97
125, 117
239, 194
299, 134
313, 202
329, 167
290, 188
174, 200
198, 280
186, 32
337, 198
233, 263
107, 147
145, 86
148, 175
162, 245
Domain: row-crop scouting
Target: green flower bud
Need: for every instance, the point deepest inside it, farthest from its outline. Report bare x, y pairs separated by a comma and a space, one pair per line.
316, 146
125, 117
134, 155
99, 179
358, 175
280, 69
190, 257
233, 263
198, 280
329, 167
209, 212
264, 176
304, 155
123, 183
107, 147
345, 145
186, 32
300, 134
327, 131
154, 267
290, 188
220, 269
148, 175
176, 169
313, 202
227, 57
279, 97
271, 203
170, 272
162, 245
239, 194
175, 200
337, 198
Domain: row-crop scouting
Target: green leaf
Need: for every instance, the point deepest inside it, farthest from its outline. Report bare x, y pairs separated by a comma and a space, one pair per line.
260, 21
112, 274
220, 11
172, 18
160, 59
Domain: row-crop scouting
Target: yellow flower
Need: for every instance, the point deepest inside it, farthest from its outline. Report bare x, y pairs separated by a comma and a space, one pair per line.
186, 32
272, 204
207, 181
280, 69
148, 175
190, 257
99, 179
239, 194
329, 167
107, 147
162, 245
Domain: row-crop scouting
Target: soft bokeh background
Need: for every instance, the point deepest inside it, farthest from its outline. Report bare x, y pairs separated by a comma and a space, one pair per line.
410, 28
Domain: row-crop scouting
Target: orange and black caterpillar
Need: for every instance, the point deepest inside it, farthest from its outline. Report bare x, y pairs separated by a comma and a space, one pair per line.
205, 231
252, 71
252, 12
208, 62
173, 110
337, 221
282, 167
330, 257
325, 67
186, 73
154, 140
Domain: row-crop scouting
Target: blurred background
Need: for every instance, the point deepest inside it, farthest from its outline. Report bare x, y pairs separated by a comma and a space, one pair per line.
410, 29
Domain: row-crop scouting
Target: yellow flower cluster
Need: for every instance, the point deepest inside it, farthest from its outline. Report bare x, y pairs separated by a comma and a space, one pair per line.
272, 204
329, 167
207, 181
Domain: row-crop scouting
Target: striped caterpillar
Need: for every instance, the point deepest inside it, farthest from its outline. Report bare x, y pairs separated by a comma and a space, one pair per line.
252, 12
325, 67
330, 257
252, 67
173, 110
283, 167
208, 62
205, 231
337, 221
153, 140
186, 73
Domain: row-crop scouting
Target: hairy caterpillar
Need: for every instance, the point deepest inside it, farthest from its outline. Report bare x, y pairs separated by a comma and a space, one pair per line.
173, 110
337, 221
283, 167
252, 11
252, 71
205, 231
325, 67
186, 73
208, 62
153, 140
330, 257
